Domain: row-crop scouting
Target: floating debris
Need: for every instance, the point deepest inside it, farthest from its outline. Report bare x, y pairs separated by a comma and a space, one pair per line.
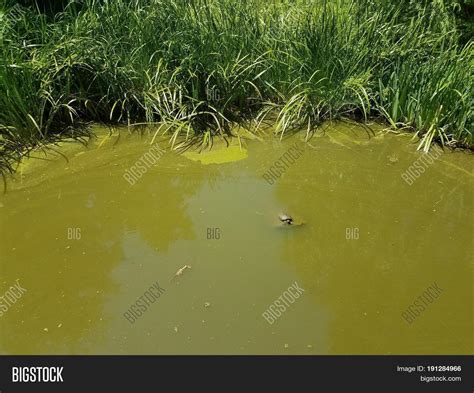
180, 271
393, 159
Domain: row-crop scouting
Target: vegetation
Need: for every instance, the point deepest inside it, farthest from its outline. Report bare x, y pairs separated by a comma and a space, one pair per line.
201, 66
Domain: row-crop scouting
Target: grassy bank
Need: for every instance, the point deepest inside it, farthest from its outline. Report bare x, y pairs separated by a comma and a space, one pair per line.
204, 65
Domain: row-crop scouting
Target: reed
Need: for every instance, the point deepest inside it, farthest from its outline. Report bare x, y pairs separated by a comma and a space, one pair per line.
202, 66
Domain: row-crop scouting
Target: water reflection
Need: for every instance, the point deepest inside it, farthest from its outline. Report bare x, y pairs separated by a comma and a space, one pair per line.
132, 236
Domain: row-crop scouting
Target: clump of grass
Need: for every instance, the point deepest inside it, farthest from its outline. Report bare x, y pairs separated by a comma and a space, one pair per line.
202, 66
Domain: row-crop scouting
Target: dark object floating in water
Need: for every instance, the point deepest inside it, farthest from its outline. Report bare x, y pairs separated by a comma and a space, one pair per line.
285, 219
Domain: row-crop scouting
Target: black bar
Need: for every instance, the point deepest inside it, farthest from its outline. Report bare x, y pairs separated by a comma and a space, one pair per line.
243, 373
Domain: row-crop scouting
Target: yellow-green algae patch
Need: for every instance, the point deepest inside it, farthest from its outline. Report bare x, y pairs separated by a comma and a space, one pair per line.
220, 152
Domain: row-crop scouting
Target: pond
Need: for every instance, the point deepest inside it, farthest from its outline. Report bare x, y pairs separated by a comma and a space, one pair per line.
85, 243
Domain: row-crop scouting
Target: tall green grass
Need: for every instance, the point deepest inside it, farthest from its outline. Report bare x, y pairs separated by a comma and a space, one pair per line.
200, 66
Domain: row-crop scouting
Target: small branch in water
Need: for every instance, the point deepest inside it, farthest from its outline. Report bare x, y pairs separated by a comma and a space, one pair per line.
179, 272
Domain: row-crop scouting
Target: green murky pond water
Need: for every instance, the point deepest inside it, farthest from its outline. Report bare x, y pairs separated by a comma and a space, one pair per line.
85, 245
